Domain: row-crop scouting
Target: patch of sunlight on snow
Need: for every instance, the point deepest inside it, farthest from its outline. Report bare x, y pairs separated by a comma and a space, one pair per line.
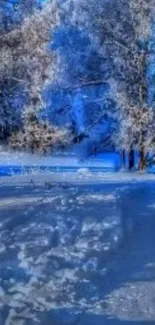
2, 293
22, 257
67, 274
95, 198
152, 206
4, 203
83, 171
52, 199
106, 248
150, 265
97, 226
2, 249
116, 239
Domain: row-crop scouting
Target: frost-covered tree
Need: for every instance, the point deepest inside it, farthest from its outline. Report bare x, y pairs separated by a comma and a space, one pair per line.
24, 52
80, 48
12, 12
79, 94
39, 136
26, 66
136, 129
98, 42
136, 118
122, 31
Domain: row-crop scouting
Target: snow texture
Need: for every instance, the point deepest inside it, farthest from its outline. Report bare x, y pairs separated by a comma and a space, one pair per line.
55, 244
63, 242
19, 162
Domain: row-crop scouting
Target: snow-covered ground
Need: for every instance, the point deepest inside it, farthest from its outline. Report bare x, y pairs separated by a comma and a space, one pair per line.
8, 157
77, 247
54, 245
77, 251
14, 162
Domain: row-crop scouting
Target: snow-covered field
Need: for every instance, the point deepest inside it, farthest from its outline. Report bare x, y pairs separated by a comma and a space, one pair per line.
77, 247
62, 243
54, 246
12, 162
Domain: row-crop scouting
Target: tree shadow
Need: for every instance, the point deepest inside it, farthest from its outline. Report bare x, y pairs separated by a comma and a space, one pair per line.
70, 317
136, 259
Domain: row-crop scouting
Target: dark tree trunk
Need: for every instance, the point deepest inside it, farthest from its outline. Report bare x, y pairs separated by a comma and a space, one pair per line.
142, 163
123, 158
131, 159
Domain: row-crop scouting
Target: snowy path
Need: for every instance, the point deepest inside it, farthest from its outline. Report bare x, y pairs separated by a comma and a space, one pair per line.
81, 254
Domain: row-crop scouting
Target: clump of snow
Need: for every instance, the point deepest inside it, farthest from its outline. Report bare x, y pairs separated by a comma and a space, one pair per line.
2, 249
2, 293
83, 172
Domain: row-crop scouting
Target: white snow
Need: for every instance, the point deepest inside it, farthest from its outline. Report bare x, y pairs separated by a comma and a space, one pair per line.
61, 237
2, 293
59, 250
19, 158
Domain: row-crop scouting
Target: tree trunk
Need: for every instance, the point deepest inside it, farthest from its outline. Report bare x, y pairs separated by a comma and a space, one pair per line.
123, 158
131, 159
142, 163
